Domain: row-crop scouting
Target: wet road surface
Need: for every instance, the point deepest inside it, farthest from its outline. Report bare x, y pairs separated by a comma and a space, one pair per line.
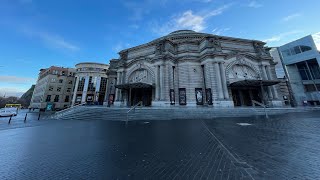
281, 147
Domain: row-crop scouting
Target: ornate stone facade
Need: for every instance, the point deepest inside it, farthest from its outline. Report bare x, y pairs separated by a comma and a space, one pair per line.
187, 68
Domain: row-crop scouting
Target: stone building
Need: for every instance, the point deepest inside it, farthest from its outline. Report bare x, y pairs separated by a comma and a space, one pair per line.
91, 83
53, 89
187, 68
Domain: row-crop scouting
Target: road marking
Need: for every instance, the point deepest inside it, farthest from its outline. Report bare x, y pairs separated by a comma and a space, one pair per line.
221, 144
244, 124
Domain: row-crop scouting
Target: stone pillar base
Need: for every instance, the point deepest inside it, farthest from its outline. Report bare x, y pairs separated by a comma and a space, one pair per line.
117, 103
223, 104
160, 104
192, 104
276, 103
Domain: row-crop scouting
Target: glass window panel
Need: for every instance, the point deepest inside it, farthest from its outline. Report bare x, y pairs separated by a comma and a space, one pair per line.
305, 48
297, 50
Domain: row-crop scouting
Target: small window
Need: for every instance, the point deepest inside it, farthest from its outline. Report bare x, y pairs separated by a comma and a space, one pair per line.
309, 88
58, 89
69, 90
56, 98
305, 48
53, 80
50, 88
286, 53
66, 99
48, 99
63, 73
297, 50
70, 82
60, 80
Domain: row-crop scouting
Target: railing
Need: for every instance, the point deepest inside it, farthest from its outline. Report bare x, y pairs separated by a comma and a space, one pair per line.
60, 113
260, 104
133, 108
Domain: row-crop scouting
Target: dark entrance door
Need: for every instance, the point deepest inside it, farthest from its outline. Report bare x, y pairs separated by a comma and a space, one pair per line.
141, 94
244, 96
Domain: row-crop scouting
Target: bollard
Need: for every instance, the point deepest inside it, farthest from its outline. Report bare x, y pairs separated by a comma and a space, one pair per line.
25, 118
10, 119
39, 117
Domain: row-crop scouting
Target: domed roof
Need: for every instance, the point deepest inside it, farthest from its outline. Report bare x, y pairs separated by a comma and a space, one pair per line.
182, 32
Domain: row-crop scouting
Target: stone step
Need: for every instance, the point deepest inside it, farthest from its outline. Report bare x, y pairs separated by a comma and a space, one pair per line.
104, 113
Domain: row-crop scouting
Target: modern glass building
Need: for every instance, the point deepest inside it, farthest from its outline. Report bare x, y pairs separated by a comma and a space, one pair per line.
301, 59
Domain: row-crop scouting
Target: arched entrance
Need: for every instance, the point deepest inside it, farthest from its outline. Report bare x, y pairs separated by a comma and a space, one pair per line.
139, 87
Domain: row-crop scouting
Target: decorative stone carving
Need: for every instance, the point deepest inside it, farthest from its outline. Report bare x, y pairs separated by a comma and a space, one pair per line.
124, 55
140, 75
240, 71
214, 43
121, 63
160, 48
260, 50
247, 71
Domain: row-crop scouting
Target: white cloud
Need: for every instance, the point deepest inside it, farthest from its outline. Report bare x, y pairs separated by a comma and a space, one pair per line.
11, 91
16, 79
187, 20
291, 16
120, 46
140, 9
281, 36
190, 20
316, 38
219, 31
254, 4
217, 11
51, 40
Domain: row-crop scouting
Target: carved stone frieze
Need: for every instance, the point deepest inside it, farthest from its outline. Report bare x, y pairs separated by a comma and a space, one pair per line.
160, 47
124, 55
260, 49
214, 42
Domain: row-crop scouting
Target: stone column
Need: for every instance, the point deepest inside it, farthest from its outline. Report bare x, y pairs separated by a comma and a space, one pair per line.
85, 89
97, 91
162, 82
75, 91
224, 81
265, 77
176, 84
218, 79
120, 82
157, 93
273, 88
117, 90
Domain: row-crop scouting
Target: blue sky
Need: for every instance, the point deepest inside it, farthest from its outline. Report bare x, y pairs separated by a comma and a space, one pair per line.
35, 34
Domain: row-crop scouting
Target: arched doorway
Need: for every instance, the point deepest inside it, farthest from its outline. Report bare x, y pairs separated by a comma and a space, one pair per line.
241, 76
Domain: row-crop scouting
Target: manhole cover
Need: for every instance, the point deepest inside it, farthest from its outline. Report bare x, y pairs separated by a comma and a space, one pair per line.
244, 124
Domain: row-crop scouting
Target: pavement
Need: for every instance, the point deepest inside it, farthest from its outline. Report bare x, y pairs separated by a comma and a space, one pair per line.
281, 147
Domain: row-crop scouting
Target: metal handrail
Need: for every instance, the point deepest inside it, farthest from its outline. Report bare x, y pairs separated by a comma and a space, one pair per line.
258, 103
133, 108
261, 104
63, 111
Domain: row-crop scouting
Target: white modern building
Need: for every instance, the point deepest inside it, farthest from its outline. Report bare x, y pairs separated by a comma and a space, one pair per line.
301, 59
91, 83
